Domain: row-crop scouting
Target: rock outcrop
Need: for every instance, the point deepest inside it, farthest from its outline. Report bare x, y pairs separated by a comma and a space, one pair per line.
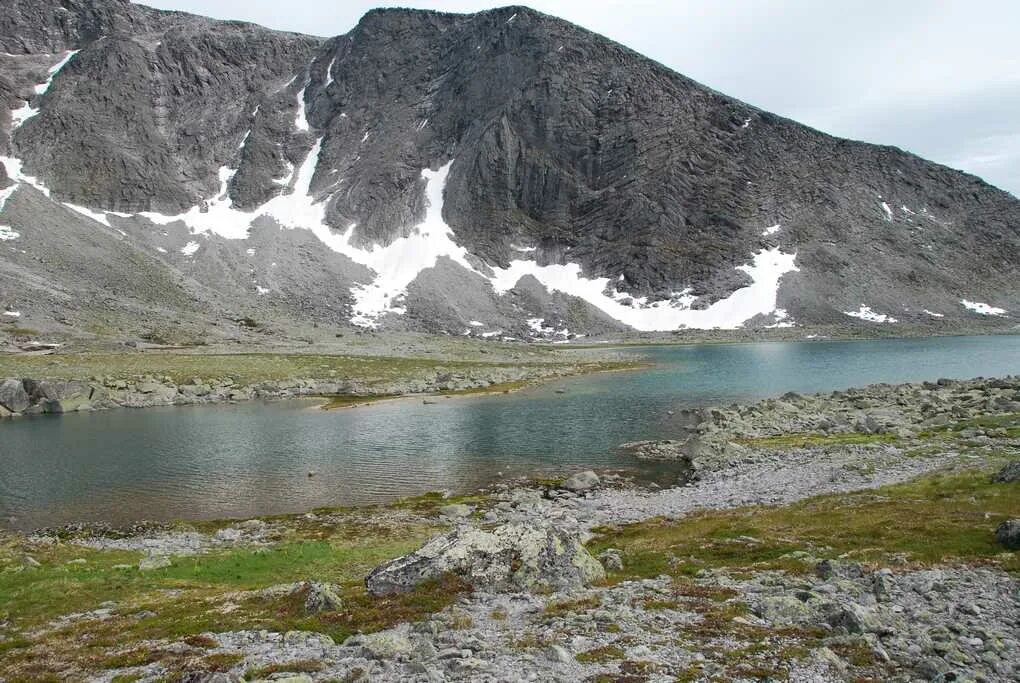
512, 556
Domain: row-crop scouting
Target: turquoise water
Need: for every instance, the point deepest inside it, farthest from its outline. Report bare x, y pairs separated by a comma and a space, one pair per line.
254, 458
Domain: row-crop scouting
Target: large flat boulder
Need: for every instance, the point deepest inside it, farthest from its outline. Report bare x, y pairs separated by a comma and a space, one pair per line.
13, 396
509, 557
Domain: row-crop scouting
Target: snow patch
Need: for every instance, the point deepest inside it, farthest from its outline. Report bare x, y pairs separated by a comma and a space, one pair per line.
5, 194
766, 270
771, 230
512, 18
161, 250
865, 313
7, 233
888, 212
301, 119
933, 313
250, 252
329, 73
27, 111
475, 323
526, 250
89, 213
261, 291
400, 262
190, 248
982, 309
12, 314
541, 330
747, 122
782, 319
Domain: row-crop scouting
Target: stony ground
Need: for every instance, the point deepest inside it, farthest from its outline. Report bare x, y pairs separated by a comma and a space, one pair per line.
807, 554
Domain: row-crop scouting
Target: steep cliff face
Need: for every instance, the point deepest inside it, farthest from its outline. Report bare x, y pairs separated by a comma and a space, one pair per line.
504, 173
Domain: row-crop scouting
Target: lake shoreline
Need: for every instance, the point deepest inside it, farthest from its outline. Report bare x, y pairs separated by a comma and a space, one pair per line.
825, 536
40, 395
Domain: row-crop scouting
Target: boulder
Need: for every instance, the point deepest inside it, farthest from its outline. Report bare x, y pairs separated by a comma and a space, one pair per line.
1008, 474
456, 510
512, 556
582, 481
154, 562
382, 645
13, 396
786, 609
611, 560
56, 390
1008, 534
320, 597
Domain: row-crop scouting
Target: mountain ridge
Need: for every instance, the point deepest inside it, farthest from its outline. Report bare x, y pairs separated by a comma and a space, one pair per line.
635, 196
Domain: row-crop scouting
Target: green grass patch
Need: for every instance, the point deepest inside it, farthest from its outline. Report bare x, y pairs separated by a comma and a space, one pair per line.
598, 655
805, 440
939, 518
199, 594
300, 666
1010, 422
251, 368
563, 607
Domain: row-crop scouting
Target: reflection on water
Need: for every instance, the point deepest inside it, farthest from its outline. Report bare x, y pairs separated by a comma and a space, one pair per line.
254, 458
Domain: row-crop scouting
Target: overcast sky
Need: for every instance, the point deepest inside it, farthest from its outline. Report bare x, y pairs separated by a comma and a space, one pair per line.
940, 78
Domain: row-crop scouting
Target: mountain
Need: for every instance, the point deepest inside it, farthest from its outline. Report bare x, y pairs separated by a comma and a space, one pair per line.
500, 174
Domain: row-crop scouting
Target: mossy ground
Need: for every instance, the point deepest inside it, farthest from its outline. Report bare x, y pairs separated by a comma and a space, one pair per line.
806, 440
945, 517
210, 592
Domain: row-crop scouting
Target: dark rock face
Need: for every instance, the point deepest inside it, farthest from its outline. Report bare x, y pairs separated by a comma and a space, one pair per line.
1009, 473
1008, 534
566, 149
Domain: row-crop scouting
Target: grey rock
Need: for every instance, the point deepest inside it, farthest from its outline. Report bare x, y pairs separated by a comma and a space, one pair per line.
456, 510
1009, 473
1008, 534
13, 396
611, 560
154, 562
559, 654
582, 481
383, 645
516, 556
321, 597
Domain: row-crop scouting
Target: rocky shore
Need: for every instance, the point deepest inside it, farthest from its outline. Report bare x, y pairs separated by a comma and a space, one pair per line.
35, 397
860, 535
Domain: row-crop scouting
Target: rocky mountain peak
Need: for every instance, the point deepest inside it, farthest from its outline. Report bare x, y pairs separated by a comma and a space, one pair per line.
499, 168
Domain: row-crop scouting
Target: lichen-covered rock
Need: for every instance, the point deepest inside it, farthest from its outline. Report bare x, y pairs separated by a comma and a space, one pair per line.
382, 645
321, 597
512, 556
582, 481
